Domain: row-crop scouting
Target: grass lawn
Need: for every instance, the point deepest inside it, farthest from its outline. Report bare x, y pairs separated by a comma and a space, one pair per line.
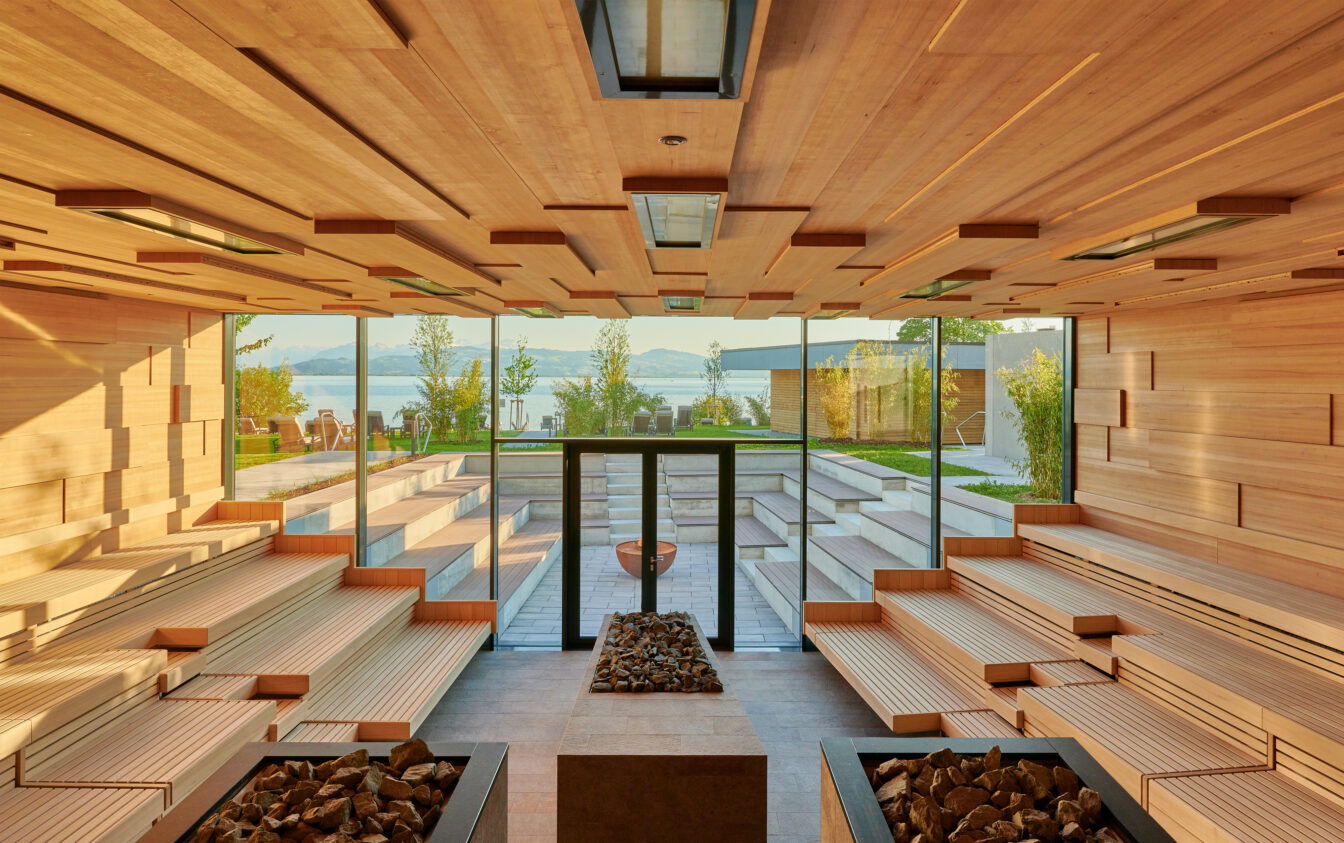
1010, 492
248, 460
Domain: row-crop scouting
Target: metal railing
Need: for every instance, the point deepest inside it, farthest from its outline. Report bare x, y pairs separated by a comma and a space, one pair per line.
963, 421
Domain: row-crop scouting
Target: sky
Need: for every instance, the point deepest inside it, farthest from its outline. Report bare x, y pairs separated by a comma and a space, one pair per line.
573, 333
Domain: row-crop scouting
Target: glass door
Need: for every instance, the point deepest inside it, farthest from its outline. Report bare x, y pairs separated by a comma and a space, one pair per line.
666, 541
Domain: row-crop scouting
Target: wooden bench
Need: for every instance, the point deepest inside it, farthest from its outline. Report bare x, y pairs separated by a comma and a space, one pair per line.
39, 598
750, 532
1256, 807
829, 487
1134, 738
976, 724
786, 508
960, 629
1301, 611
519, 555
857, 554
907, 690
908, 523
300, 650
167, 745
785, 577
86, 814
391, 692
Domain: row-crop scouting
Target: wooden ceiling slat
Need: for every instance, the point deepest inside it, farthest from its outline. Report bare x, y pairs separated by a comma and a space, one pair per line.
344, 24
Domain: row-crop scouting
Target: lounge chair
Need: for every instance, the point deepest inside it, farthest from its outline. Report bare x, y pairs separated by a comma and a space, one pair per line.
332, 434
663, 423
247, 427
292, 437
639, 424
548, 425
376, 425
683, 417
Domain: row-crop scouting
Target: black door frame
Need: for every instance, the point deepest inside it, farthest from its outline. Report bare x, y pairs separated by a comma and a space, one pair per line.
649, 450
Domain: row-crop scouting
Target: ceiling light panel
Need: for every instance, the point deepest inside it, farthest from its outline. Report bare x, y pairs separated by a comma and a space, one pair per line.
159, 215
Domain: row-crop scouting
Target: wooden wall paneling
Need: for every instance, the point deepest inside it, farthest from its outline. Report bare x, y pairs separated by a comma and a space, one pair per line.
1098, 406
1213, 500
1123, 370
1284, 417
1297, 320
1093, 336
1160, 331
1127, 445
30, 315
1291, 369
1290, 466
30, 507
1337, 419
1091, 441
1294, 515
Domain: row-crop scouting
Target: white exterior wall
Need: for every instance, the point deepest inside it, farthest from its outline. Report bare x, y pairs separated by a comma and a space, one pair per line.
1007, 351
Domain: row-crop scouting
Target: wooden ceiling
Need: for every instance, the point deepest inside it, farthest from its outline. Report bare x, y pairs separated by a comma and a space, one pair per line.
877, 147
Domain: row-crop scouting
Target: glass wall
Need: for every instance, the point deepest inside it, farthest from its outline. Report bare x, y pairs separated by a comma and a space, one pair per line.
482, 515
294, 400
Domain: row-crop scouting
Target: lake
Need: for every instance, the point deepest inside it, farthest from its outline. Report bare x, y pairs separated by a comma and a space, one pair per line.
389, 393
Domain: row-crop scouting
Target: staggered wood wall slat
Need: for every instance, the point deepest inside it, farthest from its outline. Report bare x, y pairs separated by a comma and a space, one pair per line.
111, 426
1234, 451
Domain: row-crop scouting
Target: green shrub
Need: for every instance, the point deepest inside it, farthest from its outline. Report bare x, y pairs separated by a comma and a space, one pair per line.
758, 406
918, 379
1036, 387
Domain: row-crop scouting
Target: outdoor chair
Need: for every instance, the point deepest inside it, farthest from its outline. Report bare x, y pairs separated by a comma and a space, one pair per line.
663, 423
639, 424
292, 438
332, 434
376, 425
548, 424
683, 416
247, 427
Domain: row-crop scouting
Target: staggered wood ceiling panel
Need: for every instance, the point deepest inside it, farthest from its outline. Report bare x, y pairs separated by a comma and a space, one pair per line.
469, 143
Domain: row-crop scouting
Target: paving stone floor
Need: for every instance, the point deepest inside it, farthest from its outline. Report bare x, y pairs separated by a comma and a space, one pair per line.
523, 697
691, 584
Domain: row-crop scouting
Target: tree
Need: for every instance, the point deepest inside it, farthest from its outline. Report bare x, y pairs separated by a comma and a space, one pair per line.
876, 372
241, 321
836, 387
468, 401
918, 381
433, 344
611, 367
716, 404
1036, 388
759, 406
517, 380
264, 392
580, 405
955, 329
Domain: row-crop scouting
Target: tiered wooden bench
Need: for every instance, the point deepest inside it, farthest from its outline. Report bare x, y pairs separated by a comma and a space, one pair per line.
1244, 808
81, 711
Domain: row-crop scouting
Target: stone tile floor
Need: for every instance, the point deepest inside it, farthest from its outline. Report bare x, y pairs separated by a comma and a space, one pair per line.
523, 697
691, 584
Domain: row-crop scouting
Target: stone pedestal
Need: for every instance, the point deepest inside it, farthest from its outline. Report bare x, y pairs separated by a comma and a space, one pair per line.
660, 766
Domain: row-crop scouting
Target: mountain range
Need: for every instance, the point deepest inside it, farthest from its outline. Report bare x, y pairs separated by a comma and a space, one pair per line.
400, 360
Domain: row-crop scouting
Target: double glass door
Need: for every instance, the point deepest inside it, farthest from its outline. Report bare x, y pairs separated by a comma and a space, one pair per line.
648, 526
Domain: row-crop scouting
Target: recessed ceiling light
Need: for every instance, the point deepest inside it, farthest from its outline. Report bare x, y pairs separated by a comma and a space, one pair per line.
668, 49
672, 140
676, 220
419, 283
1210, 215
682, 304
165, 217
532, 309
937, 288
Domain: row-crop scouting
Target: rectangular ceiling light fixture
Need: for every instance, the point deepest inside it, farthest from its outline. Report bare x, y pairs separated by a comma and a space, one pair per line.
419, 283
682, 303
834, 310
165, 217
936, 289
676, 220
668, 49
532, 309
1210, 215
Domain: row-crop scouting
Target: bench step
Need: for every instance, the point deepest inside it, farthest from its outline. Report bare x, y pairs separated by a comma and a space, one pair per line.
908, 523
390, 692
298, 652
858, 554
786, 508
168, 744
39, 695
1237, 807
977, 724
829, 487
86, 814
897, 682
442, 548
1071, 603
984, 644
751, 532
519, 555
1132, 737
784, 577
41, 597
401, 525
1306, 613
